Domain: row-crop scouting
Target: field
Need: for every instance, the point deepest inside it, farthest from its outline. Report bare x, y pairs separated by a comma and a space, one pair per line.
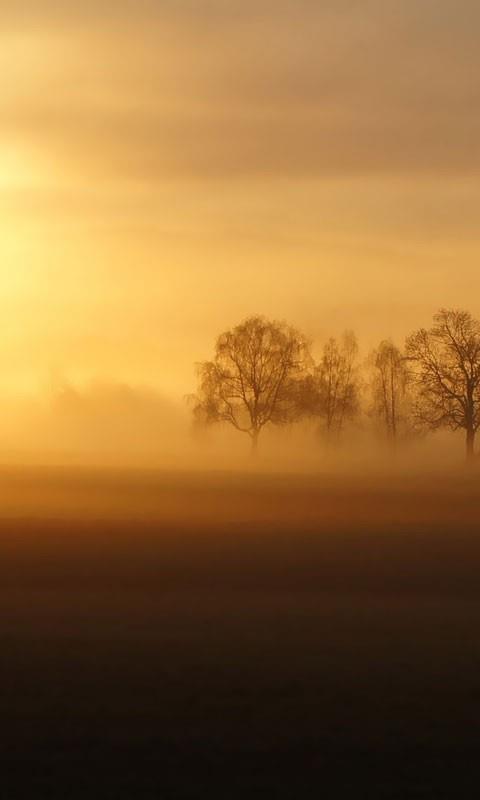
238, 636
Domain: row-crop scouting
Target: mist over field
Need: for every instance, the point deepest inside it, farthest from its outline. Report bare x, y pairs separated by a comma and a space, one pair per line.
106, 424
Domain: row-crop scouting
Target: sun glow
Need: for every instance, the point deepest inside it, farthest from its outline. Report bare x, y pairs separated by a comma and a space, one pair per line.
17, 169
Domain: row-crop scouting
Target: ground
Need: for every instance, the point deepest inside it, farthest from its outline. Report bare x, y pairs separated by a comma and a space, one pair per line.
190, 636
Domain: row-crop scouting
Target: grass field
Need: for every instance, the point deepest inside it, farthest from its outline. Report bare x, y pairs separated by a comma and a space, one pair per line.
237, 636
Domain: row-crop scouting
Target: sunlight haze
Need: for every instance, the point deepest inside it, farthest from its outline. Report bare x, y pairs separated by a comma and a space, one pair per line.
169, 168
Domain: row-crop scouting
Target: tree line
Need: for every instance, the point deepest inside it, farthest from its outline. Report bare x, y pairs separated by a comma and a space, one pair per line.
263, 373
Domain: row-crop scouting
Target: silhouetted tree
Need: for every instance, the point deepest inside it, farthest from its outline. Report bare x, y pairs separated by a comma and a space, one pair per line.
445, 362
332, 392
389, 386
252, 381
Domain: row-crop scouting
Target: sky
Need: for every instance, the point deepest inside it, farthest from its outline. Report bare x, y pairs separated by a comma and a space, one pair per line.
169, 167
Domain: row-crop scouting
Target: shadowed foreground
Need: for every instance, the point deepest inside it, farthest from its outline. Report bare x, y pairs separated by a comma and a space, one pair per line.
172, 636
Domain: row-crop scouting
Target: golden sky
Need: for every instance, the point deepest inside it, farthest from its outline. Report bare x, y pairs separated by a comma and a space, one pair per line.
168, 167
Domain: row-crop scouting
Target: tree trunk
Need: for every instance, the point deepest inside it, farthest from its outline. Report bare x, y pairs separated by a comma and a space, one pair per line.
470, 444
392, 442
255, 435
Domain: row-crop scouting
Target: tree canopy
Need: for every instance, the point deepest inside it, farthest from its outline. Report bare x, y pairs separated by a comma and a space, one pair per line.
445, 363
253, 377
331, 392
389, 388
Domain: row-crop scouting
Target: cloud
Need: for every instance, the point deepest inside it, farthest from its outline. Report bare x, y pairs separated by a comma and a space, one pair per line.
232, 89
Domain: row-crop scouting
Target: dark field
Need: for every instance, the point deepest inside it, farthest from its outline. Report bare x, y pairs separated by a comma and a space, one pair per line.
179, 636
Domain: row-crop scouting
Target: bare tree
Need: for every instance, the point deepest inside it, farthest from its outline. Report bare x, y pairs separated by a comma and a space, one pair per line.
332, 393
389, 388
252, 380
445, 362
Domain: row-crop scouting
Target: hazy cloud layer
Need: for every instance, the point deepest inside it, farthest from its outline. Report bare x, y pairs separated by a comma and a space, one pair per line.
154, 90
168, 167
